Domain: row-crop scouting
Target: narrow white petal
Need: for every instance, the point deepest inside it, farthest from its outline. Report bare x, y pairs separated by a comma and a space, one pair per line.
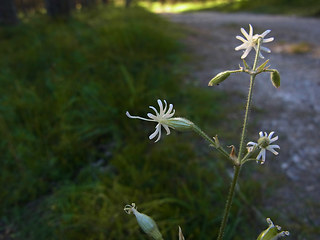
137, 117
261, 134
270, 135
244, 33
265, 134
268, 40
165, 106
260, 154
265, 49
171, 114
166, 128
263, 156
168, 113
241, 39
242, 46
265, 33
251, 30
274, 139
274, 146
246, 52
273, 151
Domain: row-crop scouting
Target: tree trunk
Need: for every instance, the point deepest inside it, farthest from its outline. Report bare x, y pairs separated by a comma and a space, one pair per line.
8, 14
128, 3
58, 8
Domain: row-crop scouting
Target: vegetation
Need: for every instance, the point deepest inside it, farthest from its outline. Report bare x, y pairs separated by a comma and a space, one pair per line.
68, 164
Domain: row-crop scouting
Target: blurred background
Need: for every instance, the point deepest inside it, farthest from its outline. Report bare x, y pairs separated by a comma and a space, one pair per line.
71, 159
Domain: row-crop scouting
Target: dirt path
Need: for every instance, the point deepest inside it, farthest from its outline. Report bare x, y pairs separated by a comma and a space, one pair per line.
293, 110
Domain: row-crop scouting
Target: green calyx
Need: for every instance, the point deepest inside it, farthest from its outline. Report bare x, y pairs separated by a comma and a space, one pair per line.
264, 142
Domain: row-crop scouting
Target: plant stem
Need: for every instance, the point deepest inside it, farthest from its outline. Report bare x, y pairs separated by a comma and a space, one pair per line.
237, 165
229, 201
210, 140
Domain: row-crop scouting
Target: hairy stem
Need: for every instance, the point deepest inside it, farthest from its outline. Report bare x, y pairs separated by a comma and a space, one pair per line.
237, 165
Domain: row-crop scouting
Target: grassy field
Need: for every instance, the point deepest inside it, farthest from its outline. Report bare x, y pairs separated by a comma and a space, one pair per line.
71, 159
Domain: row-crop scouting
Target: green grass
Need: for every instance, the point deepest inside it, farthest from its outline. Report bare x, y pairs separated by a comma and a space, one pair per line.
71, 159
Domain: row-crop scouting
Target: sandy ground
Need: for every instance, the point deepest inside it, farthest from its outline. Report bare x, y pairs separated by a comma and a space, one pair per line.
293, 110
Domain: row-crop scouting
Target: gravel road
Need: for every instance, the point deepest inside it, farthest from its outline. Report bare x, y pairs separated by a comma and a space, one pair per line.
293, 110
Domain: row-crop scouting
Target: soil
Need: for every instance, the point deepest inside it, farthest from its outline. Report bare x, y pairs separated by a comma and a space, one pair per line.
292, 111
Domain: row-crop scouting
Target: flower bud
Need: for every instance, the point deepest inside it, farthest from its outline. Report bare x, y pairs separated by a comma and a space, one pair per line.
147, 224
219, 78
275, 78
180, 124
272, 232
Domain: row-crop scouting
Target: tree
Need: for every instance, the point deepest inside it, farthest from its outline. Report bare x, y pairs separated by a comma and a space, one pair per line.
58, 8
8, 14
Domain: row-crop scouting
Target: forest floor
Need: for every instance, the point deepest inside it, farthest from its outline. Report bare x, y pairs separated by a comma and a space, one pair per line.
292, 111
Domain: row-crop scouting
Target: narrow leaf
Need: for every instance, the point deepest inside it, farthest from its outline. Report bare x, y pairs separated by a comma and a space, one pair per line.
262, 66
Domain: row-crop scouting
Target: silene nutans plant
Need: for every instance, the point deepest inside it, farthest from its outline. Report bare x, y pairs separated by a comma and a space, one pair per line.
252, 151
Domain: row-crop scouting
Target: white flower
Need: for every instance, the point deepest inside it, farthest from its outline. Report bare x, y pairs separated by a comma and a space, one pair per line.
161, 118
251, 41
264, 144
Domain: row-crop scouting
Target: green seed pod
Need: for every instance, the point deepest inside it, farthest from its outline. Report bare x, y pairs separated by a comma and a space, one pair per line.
275, 78
180, 124
272, 232
219, 78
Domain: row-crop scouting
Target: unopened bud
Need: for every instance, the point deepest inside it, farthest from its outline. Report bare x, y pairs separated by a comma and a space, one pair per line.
180, 124
147, 224
273, 232
275, 78
219, 78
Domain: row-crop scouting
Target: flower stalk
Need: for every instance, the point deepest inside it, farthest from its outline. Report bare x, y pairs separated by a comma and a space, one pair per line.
237, 166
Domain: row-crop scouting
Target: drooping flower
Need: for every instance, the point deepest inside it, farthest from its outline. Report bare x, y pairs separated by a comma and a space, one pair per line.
165, 119
251, 41
264, 144
273, 232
